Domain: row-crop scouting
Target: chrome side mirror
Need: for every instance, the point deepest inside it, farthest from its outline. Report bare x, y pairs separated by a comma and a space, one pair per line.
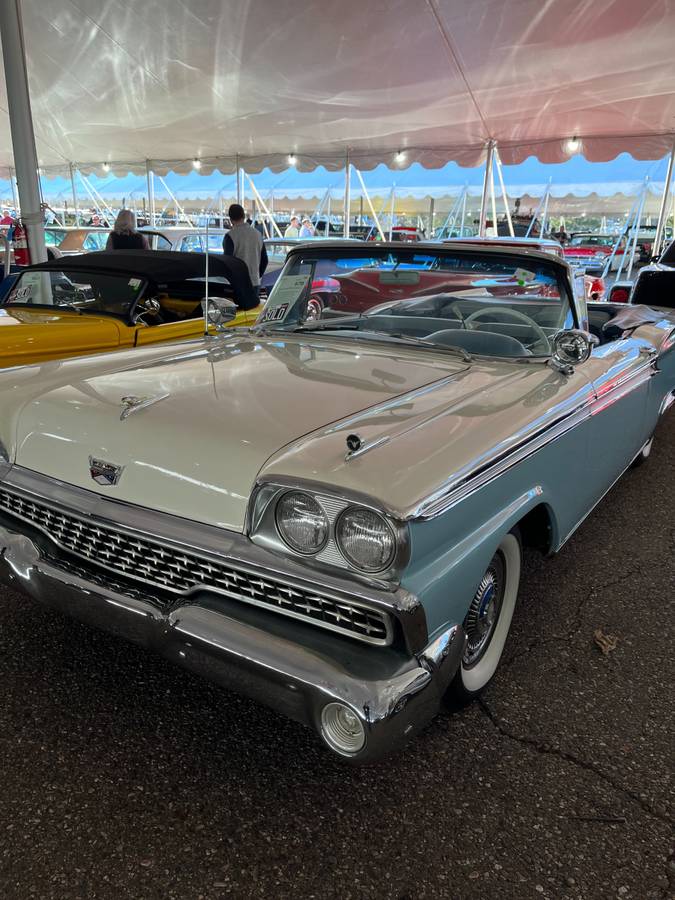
149, 307
218, 311
571, 348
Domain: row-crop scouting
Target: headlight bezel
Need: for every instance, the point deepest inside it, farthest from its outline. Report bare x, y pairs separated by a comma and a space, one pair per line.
261, 528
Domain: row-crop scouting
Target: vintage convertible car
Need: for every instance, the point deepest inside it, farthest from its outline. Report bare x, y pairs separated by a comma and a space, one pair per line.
654, 284
113, 300
593, 251
329, 516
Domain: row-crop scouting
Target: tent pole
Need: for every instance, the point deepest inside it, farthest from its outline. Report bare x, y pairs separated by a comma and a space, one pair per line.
175, 200
544, 215
486, 188
464, 196
500, 175
493, 200
99, 203
262, 203
360, 210
74, 190
661, 221
636, 229
624, 231
369, 202
21, 127
328, 215
431, 216
544, 198
151, 192
391, 211
347, 204
237, 172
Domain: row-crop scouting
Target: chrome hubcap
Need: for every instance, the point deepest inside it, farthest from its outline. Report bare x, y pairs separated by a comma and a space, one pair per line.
313, 310
483, 614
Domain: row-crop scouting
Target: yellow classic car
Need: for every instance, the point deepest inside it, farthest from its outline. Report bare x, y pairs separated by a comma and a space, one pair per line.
114, 300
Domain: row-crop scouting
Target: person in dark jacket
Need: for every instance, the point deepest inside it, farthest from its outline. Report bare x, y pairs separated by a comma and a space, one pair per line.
124, 235
246, 244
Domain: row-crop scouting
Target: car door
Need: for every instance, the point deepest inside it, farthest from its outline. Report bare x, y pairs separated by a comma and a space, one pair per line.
621, 372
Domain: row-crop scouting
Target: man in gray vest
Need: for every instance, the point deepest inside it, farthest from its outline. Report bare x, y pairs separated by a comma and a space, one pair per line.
244, 242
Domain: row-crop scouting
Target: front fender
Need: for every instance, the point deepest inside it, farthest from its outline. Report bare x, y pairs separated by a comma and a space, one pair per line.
445, 572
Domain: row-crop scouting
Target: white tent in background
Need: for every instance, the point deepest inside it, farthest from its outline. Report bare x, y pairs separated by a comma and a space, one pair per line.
238, 84
250, 82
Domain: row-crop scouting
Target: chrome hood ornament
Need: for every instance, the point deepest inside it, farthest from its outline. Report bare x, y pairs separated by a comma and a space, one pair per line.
133, 404
103, 472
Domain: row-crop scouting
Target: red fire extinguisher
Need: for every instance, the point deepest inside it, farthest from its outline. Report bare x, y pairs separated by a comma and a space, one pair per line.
20, 241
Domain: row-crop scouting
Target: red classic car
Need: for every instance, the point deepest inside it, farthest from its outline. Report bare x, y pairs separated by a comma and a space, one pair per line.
592, 251
594, 286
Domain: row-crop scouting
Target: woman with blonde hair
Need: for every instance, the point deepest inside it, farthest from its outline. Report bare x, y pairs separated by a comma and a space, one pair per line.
124, 235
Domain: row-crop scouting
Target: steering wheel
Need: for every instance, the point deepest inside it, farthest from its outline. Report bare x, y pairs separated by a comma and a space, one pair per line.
519, 317
151, 308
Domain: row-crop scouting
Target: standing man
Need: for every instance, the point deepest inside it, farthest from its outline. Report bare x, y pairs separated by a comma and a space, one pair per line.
293, 229
244, 242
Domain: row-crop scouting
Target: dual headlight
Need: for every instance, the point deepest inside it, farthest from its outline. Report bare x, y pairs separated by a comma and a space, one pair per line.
363, 536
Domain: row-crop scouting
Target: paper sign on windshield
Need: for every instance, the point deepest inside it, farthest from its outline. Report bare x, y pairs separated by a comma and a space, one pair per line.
286, 292
524, 276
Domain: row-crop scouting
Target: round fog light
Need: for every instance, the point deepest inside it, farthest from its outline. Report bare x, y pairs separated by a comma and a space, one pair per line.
342, 729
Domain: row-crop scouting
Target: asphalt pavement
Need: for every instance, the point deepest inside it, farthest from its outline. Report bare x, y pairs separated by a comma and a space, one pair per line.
124, 777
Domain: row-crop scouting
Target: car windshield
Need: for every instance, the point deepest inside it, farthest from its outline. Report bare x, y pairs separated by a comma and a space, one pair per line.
592, 240
476, 302
86, 292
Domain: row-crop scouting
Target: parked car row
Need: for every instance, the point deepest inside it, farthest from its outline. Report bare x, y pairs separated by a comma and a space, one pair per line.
324, 508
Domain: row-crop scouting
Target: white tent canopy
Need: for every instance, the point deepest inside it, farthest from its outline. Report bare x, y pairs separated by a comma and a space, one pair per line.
250, 81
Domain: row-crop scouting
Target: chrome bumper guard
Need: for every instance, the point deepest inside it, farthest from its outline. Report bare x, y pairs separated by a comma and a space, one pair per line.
288, 665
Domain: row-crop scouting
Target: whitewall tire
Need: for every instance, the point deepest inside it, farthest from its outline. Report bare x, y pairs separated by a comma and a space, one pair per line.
643, 455
488, 621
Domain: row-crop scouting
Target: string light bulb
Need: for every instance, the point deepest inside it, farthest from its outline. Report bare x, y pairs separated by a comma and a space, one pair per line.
573, 145
196, 164
292, 159
400, 156
106, 166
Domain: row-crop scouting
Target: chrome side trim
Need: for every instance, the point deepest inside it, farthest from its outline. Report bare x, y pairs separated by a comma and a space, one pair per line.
458, 489
455, 491
623, 387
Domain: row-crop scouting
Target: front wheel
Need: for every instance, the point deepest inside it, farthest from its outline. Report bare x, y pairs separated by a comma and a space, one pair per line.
314, 309
488, 621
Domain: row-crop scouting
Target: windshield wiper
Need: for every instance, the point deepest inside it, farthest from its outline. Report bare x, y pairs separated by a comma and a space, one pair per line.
70, 306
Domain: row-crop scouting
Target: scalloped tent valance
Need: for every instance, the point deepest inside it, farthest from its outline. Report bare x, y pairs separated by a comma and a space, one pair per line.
390, 81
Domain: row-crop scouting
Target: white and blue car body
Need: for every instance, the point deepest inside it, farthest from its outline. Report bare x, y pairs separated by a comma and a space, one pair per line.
329, 515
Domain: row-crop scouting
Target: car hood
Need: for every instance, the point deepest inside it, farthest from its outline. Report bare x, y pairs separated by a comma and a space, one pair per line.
28, 335
214, 416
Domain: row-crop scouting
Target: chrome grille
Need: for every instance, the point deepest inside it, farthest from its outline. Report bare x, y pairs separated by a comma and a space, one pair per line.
180, 571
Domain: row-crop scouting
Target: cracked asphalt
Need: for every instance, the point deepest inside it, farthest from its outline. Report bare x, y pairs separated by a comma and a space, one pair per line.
123, 777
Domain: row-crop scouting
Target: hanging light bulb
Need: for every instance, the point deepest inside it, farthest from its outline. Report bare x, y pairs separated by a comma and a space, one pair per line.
196, 164
573, 145
400, 157
106, 166
292, 159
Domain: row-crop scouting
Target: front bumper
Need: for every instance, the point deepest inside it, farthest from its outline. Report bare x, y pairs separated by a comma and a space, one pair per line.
279, 663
